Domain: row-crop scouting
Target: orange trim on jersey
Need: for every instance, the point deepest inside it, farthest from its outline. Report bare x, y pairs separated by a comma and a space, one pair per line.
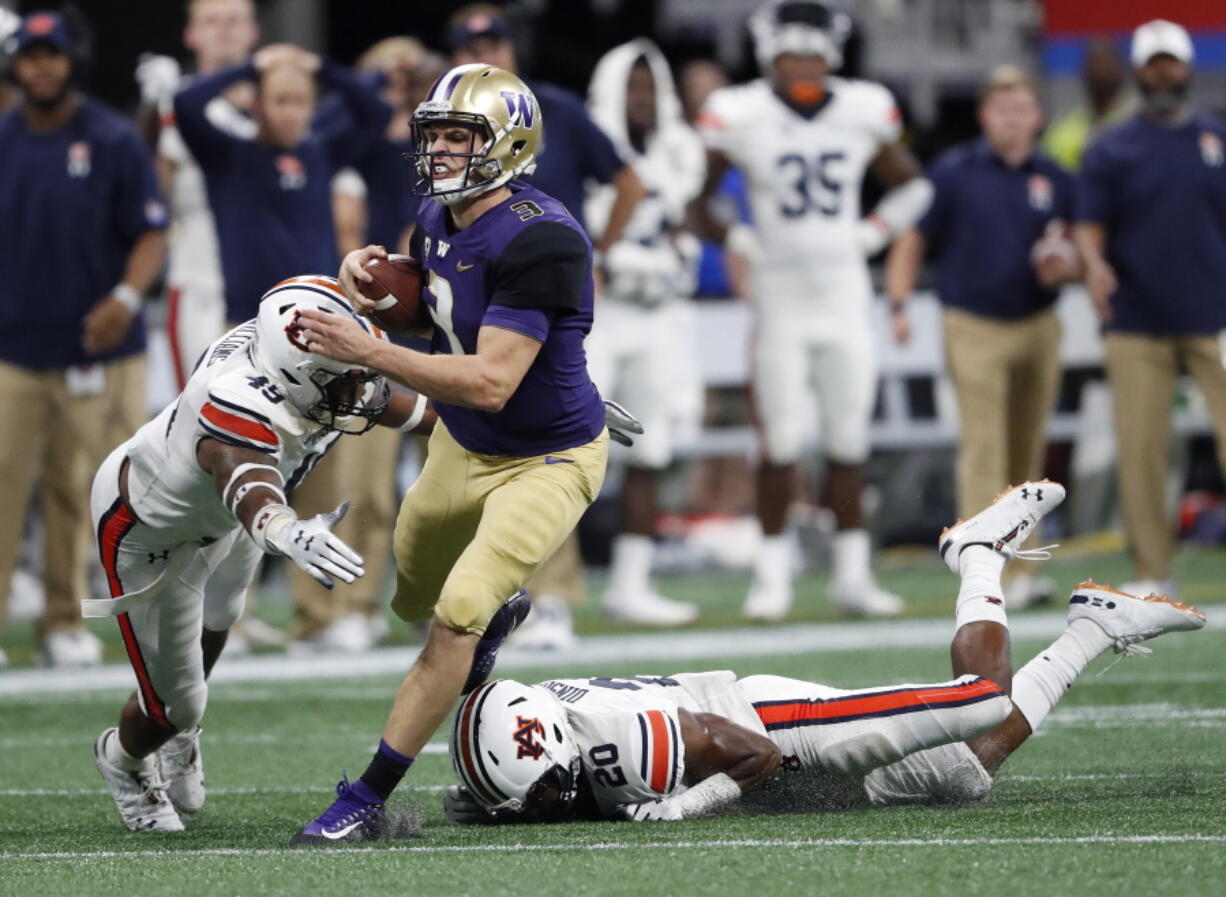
239, 426
173, 302
318, 281
836, 709
661, 751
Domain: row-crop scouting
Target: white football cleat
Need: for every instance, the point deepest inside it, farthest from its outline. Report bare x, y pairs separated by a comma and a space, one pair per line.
865, 599
549, 627
1005, 524
1128, 619
649, 609
139, 796
71, 648
183, 770
768, 601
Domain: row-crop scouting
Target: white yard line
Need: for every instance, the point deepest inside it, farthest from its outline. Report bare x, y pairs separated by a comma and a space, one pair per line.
571, 846
647, 648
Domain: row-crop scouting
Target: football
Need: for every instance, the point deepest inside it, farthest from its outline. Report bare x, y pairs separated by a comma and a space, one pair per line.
398, 278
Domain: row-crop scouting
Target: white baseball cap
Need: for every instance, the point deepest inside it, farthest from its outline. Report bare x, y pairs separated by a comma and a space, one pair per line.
1161, 36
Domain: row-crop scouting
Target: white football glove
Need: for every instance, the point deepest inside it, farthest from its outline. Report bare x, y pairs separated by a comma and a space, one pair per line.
621, 423
461, 808
310, 544
660, 810
158, 77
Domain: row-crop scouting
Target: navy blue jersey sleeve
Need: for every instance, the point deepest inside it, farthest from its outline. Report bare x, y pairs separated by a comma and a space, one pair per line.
208, 143
600, 156
367, 114
546, 266
136, 206
1094, 186
1065, 207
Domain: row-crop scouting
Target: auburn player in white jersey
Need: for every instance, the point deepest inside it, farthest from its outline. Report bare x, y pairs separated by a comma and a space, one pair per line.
639, 351
185, 510
804, 139
219, 33
650, 748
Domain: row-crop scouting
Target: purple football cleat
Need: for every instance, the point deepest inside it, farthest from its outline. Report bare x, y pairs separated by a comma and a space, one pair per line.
355, 815
505, 621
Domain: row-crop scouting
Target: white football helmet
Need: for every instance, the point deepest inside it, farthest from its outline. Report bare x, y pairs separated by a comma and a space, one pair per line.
341, 396
803, 27
512, 748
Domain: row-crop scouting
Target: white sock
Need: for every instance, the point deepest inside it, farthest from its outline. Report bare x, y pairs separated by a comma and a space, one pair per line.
117, 756
630, 570
1040, 684
774, 564
850, 556
981, 597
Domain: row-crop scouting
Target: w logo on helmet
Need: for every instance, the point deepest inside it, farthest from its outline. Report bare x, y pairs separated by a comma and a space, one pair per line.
525, 729
521, 108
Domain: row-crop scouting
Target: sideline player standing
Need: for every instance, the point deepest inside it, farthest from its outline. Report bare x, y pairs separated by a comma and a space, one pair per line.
1151, 212
520, 448
185, 509
633, 352
804, 138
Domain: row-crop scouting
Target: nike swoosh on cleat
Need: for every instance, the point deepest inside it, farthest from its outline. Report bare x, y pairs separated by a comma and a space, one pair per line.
550, 459
336, 836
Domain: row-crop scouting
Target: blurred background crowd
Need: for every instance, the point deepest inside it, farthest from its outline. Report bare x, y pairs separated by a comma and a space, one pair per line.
163, 162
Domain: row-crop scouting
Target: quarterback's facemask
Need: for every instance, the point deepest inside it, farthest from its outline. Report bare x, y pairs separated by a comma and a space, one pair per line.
799, 27
501, 111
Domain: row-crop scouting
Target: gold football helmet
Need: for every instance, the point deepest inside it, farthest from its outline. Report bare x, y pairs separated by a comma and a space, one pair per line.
507, 120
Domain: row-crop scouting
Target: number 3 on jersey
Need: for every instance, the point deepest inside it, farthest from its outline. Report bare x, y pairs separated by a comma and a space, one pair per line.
441, 310
810, 184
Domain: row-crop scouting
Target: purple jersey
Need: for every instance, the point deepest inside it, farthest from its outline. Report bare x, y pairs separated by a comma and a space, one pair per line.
525, 265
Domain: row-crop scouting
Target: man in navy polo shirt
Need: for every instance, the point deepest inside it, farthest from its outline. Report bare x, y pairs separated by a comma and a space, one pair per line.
995, 227
1151, 226
271, 197
81, 240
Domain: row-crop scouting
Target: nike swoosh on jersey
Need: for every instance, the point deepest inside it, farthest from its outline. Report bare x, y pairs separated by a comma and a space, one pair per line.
550, 459
460, 266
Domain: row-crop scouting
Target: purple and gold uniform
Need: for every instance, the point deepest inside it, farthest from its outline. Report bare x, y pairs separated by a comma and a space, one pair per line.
501, 490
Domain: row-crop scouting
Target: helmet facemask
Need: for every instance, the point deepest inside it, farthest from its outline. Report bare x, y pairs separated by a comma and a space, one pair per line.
480, 173
350, 401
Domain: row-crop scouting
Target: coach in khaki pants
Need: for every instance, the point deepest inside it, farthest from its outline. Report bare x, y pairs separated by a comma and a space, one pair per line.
995, 227
80, 242
1152, 228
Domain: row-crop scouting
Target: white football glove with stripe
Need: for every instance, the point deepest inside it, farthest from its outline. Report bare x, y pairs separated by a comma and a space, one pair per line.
461, 808
309, 543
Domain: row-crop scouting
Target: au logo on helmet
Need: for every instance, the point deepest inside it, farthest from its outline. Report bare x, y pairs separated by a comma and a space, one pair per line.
528, 746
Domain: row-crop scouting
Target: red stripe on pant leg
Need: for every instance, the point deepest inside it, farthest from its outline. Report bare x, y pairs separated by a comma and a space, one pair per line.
153, 704
172, 333
847, 708
114, 525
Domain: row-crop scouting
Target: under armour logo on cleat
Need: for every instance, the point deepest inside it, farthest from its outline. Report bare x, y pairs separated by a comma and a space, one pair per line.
154, 558
999, 602
1092, 601
1038, 493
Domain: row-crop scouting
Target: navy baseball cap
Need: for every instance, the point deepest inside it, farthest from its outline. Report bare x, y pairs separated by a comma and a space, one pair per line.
479, 24
41, 28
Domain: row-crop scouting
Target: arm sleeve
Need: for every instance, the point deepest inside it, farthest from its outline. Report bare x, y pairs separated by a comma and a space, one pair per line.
716, 124
547, 266
367, 113
207, 142
1093, 188
136, 205
238, 416
532, 322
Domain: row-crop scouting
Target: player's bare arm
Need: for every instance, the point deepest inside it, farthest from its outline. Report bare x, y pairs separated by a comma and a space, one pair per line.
253, 491
908, 196
107, 322
701, 219
715, 744
484, 381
